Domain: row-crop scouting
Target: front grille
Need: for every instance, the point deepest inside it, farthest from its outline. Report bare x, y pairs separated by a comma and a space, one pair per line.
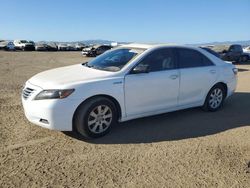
27, 92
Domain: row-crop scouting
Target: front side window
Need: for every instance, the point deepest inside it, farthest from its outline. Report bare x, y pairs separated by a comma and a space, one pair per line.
162, 59
191, 58
105, 47
238, 48
114, 60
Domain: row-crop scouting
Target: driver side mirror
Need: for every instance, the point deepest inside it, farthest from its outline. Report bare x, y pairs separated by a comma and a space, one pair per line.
140, 69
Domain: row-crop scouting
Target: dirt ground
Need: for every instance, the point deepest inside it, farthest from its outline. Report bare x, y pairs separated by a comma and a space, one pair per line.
189, 148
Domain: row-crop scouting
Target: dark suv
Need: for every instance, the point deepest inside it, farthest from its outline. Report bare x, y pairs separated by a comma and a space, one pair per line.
95, 51
235, 53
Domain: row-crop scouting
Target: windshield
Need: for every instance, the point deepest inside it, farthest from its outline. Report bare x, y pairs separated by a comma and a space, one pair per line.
114, 60
24, 41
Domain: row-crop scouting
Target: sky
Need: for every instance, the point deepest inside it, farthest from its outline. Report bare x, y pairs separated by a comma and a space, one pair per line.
149, 21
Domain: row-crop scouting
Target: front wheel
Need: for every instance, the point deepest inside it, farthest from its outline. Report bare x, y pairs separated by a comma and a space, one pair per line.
95, 117
244, 59
215, 98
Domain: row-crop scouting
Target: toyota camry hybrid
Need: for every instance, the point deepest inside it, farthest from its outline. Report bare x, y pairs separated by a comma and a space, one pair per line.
125, 83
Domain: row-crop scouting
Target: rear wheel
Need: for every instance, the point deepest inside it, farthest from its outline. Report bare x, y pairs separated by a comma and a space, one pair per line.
95, 117
215, 98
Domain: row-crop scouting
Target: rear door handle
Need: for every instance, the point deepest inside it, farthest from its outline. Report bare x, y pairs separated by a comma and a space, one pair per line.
212, 71
173, 77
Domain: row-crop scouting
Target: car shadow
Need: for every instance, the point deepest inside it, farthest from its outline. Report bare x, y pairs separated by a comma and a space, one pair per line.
190, 123
241, 63
242, 70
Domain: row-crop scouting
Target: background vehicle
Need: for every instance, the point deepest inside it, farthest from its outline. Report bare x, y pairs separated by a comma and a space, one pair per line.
7, 45
41, 47
71, 47
62, 47
235, 53
79, 46
86, 50
32, 42
51, 46
98, 50
127, 83
24, 45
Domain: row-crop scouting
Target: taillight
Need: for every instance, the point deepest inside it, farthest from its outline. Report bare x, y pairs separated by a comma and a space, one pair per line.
235, 71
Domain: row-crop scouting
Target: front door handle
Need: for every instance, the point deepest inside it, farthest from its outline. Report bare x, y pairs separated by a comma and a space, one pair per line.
174, 76
212, 71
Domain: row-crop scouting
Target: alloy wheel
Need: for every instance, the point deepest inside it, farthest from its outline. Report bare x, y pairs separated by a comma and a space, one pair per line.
100, 119
215, 98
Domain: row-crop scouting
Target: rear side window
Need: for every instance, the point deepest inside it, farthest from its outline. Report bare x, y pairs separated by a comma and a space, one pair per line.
191, 58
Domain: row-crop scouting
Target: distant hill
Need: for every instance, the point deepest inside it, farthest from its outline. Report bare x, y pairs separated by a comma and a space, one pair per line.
87, 42
97, 41
243, 43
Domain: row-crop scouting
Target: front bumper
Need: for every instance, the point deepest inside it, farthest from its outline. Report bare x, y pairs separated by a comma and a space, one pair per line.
56, 114
84, 53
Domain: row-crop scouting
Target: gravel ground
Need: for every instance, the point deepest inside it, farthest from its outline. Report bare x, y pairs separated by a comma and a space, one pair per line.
189, 148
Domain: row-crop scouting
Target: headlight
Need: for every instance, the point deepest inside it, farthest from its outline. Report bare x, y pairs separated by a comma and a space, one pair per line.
54, 94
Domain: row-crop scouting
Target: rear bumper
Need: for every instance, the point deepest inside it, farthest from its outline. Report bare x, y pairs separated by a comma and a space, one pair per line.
84, 53
231, 86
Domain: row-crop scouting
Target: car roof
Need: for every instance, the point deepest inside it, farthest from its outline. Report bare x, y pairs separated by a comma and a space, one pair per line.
136, 45
153, 46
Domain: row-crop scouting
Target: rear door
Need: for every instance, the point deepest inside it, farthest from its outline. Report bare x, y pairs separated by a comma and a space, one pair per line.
197, 75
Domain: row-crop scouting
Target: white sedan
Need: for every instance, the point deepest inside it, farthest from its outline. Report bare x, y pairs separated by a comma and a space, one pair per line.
128, 82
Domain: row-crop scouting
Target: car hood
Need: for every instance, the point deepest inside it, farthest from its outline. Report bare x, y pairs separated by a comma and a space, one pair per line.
69, 75
246, 53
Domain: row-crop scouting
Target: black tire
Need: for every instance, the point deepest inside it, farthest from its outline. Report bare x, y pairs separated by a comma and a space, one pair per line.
244, 59
82, 115
208, 102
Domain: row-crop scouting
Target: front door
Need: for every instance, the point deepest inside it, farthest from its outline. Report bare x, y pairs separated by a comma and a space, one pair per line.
155, 90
